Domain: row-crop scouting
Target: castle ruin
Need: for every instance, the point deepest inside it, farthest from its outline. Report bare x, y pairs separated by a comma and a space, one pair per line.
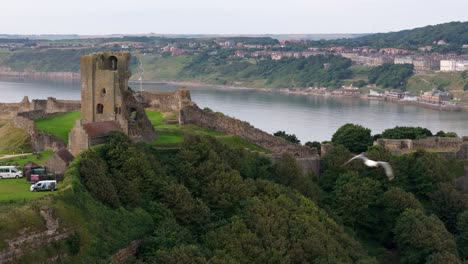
107, 103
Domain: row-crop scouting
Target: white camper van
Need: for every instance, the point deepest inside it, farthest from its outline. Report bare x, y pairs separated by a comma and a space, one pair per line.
10, 172
44, 186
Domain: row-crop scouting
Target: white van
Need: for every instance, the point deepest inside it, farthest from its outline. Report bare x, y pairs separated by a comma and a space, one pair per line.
44, 186
10, 172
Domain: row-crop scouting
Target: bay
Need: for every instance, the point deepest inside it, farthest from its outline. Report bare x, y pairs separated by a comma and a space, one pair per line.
311, 118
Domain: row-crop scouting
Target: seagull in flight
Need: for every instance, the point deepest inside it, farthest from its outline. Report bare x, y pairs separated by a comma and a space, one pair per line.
374, 164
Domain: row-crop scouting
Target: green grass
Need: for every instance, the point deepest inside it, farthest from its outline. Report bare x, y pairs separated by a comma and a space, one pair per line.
17, 190
239, 142
59, 125
13, 140
21, 161
170, 135
156, 118
168, 138
159, 69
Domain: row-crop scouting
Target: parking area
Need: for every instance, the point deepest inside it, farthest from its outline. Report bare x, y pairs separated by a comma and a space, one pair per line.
17, 190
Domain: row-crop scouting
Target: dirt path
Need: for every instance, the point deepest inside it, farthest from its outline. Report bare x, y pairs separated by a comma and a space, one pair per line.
14, 156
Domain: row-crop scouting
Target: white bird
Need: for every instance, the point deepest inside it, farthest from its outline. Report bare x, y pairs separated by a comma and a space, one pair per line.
374, 164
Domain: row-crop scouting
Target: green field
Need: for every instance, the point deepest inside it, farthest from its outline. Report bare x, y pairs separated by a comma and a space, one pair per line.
17, 190
159, 68
59, 125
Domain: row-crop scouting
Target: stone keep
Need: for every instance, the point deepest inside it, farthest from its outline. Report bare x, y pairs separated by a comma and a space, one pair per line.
107, 103
104, 82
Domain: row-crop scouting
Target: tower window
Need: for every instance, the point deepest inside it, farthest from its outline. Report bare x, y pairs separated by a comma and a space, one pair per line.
113, 63
100, 108
133, 114
103, 92
109, 63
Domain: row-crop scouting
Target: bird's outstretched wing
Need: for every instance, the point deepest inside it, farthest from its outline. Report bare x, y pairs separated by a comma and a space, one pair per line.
388, 169
360, 156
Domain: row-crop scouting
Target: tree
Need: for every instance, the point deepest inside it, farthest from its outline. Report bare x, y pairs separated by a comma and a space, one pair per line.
391, 75
93, 172
419, 236
462, 236
355, 200
314, 144
406, 133
447, 203
394, 201
289, 137
360, 83
443, 258
356, 138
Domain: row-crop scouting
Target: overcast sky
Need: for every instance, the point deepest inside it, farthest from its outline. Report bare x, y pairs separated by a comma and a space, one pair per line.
224, 17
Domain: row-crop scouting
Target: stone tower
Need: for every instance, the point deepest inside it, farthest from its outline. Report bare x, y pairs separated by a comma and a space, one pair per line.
107, 103
104, 82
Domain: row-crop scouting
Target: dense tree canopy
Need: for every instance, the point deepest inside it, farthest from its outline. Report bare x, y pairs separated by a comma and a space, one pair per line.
406, 133
420, 236
214, 204
391, 75
354, 137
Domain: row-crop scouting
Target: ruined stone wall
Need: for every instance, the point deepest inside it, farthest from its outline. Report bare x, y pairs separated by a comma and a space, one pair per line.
216, 121
427, 143
135, 122
61, 106
39, 141
78, 139
27, 241
8, 110
166, 101
38, 108
24, 123
437, 142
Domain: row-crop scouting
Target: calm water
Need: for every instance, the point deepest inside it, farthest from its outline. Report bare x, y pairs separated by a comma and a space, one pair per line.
309, 117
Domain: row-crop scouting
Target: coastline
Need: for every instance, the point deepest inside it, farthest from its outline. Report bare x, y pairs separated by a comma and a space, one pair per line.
75, 77
450, 108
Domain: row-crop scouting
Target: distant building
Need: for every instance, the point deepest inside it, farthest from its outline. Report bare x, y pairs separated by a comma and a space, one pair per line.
434, 97
425, 48
373, 93
395, 94
425, 64
403, 60
453, 65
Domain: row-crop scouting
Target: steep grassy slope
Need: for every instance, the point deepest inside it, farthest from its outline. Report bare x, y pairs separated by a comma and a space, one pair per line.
13, 140
447, 81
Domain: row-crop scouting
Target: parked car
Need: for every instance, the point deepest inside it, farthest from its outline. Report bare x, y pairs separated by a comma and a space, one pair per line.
10, 172
44, 186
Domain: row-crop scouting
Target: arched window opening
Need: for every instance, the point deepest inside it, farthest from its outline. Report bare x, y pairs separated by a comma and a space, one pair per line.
133, 114
103, 91
116, 110
113, 63
109, 63
100, 108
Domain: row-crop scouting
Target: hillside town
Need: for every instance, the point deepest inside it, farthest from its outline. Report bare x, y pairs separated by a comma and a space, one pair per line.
423, 58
